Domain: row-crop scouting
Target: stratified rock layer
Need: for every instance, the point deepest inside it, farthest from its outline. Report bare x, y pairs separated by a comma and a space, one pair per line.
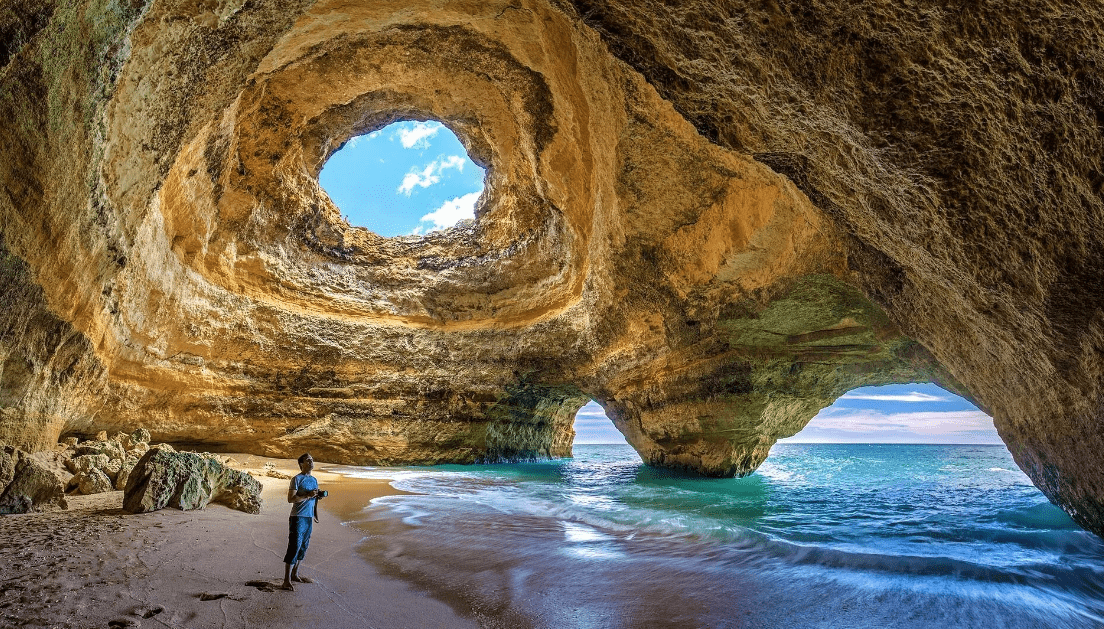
714, 220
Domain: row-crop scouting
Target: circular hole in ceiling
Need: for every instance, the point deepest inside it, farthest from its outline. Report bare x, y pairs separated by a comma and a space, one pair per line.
408, 178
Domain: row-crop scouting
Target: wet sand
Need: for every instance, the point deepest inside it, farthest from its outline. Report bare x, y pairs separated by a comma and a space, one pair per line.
97, 566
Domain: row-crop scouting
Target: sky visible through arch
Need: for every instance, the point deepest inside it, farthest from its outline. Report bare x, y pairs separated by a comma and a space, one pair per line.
900, 413
408, 178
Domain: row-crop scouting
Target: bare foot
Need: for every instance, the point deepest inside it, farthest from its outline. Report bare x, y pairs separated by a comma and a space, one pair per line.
287, 586
302, 579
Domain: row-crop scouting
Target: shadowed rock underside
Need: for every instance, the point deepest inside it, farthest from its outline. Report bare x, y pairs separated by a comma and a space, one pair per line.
714, 220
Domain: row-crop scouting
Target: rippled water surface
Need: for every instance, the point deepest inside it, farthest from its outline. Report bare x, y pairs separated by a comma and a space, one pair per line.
840, 536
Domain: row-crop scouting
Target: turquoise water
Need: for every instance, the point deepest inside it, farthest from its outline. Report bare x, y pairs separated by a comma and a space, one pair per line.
825, 535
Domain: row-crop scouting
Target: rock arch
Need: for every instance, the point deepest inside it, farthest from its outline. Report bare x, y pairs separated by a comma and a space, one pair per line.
715, 225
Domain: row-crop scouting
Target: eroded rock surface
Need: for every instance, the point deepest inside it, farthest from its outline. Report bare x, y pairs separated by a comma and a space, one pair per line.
186, 480
92, 481
714, 220
31, 486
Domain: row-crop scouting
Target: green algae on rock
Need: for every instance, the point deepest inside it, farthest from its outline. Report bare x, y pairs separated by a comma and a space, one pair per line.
187, 481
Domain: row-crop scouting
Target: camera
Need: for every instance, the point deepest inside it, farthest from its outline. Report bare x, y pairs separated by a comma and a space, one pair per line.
322, 493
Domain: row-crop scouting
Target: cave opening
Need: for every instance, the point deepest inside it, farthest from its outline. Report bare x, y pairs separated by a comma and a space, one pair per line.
593, 427
406, 179
919, 413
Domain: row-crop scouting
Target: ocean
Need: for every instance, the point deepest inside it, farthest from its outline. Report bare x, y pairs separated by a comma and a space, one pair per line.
821, 536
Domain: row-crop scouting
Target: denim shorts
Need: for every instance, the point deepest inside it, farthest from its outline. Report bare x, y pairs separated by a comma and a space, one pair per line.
299, 532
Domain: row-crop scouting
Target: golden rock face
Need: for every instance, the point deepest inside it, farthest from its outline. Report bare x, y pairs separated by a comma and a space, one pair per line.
685, 219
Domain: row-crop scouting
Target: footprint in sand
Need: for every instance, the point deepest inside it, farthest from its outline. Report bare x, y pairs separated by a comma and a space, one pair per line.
147, 612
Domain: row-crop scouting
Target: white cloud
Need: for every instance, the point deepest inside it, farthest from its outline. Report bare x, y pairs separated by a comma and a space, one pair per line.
585, 414
429, 175
425, 179
451, 212
353, 142
932, 422
418, 134
870, 426
913, 396
452, 161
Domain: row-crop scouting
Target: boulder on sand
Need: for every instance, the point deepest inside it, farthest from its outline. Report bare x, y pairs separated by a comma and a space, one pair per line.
185, 480
57, 461
34, 487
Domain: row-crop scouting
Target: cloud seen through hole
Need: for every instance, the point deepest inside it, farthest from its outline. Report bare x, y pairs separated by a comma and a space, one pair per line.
417, 135
429, 175
409, 178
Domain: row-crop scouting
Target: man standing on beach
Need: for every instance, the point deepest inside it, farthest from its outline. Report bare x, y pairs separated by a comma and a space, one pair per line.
302, 494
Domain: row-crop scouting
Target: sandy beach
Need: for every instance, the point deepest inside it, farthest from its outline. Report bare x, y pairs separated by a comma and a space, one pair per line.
98, 566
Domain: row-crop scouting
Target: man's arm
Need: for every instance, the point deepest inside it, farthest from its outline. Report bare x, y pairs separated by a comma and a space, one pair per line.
293, 496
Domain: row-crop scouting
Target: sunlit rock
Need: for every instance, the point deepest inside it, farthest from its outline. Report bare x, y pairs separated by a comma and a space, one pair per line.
32, 486
187, 481
125, 469
92, 481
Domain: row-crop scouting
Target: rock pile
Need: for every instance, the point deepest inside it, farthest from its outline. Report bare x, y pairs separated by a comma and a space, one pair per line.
151, 476
39, 481
102, 464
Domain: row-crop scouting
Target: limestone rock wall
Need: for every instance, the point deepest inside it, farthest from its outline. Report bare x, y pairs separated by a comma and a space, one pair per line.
712, 219
49, 374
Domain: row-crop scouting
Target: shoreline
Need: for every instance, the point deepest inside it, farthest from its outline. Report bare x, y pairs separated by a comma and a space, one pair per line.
373, 547
95, 565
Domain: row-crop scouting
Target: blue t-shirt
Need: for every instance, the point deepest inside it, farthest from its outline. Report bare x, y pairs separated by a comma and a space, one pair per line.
302, 482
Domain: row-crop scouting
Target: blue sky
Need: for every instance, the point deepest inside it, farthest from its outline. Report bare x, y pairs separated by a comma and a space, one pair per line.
592, 426
900, 413
407, 178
